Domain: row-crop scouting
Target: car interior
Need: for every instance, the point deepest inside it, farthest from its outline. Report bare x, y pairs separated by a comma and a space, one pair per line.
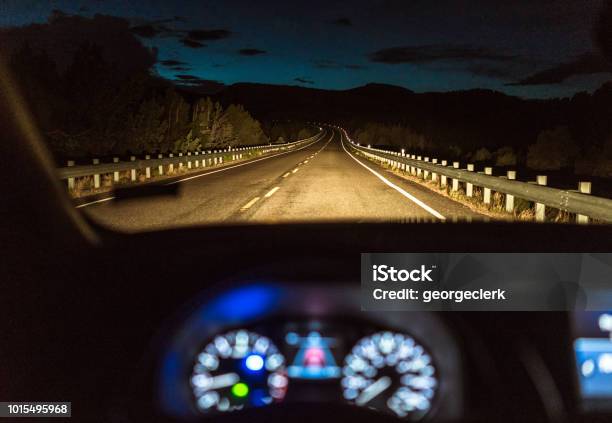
263, 322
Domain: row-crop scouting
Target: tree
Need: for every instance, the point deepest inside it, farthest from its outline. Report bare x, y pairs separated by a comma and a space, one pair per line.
244, 129
146, 128
505, 156
553, 150
481, 155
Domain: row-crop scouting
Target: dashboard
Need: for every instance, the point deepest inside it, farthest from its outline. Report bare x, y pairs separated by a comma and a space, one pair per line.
593, 351
261, 345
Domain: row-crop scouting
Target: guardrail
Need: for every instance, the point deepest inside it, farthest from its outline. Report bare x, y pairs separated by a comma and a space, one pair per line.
166, 164
579, 202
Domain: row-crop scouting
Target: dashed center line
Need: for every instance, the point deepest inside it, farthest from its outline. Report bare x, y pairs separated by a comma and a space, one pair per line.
271, 192
249, 204
286, 174
295, 170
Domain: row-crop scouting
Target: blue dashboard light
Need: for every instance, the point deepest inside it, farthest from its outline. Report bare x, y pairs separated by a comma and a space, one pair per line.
254, 362
242, 303
594, 360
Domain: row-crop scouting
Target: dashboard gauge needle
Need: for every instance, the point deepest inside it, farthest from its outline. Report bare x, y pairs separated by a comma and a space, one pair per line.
373, 390
223, 381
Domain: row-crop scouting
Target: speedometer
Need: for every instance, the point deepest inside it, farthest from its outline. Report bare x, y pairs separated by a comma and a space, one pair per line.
390, 372
236, 370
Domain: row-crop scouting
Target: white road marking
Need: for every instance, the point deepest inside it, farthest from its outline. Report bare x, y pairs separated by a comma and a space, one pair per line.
249, 204
395, 187
286, 174
271, 192
295, 170
94, 202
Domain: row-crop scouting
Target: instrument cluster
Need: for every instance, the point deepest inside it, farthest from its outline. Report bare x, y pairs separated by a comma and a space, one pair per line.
386, 371
255, 348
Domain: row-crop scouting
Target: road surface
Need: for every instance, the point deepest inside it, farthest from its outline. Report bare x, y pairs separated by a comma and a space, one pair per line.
320, 182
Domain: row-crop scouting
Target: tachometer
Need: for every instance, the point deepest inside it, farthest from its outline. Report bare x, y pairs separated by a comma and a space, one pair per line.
236, 370
390, 372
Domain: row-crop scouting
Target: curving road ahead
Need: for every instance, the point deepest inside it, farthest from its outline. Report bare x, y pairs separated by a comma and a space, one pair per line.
321, 181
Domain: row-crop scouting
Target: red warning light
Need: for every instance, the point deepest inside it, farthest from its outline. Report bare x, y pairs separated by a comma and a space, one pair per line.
314, 357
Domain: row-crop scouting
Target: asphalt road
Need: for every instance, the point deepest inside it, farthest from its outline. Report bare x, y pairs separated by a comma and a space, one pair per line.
320, 182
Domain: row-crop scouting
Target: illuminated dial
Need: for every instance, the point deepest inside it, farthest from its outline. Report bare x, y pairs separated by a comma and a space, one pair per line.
236, 370
390, 372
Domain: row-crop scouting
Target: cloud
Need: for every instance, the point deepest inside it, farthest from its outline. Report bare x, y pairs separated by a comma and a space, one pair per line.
148, 31
187, 42
436, 52
185, 77
62, 35
171, 63
332, 64
251, 52
602, 33
208, 34
342, 22
355, 67
303, 80
585, 64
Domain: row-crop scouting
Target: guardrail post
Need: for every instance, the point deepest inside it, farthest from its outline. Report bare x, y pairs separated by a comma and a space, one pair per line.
133, 171
443, 177
510, 198
189, 160
197, 160
412, 168
486, 197
71, 180
469, 188
426, 172
434, 175
171, 165
419, 170
180, 167
403, 152
96, 177
455, 180
540, 209
160, 168
115, 174
584, 188
148, 168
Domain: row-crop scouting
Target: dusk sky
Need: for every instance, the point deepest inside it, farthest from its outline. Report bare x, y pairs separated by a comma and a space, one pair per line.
521, 47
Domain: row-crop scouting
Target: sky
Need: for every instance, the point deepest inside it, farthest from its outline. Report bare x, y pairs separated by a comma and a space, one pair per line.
529, 48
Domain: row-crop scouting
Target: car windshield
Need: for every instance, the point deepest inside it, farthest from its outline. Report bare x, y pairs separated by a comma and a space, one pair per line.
169, 114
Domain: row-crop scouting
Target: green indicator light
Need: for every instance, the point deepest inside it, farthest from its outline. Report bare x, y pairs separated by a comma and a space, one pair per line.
240, 390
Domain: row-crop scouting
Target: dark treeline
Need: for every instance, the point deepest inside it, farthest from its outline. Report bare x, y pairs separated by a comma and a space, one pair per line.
90, 109
571, 134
